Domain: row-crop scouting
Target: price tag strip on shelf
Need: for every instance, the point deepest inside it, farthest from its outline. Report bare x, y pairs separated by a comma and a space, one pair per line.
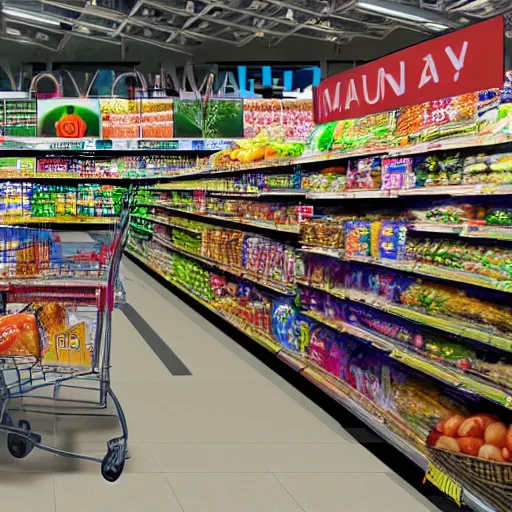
444, 483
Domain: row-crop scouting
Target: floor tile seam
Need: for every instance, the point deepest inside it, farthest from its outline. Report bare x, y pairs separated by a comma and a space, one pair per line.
173, 491
56, 474
54, 493
288, 492
234, 443
254, 443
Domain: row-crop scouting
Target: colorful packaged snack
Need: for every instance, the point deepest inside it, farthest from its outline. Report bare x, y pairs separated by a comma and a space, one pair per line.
392, 240
19, 335
358, 238
324, 232
364, 174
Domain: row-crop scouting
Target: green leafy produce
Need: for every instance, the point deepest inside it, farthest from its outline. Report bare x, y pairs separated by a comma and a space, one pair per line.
499, 217
322, 137
187, 242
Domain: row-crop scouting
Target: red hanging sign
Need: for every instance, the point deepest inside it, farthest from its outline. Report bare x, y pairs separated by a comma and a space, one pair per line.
467, 60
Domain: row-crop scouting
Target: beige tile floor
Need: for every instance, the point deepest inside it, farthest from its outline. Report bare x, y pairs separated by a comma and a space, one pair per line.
232, 437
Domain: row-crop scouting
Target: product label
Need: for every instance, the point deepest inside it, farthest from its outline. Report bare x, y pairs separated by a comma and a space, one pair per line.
444, 483
69, 348
304, 212
158, 144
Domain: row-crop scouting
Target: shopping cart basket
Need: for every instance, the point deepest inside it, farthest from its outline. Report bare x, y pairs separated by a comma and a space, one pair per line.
56, 303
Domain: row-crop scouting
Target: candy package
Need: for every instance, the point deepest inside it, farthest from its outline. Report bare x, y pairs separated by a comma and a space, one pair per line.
19, 335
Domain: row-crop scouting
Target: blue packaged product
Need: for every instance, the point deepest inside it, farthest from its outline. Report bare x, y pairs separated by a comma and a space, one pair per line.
392, 240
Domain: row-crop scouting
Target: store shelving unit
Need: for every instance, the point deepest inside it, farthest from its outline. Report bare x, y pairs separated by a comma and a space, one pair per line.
156, 254
315, 376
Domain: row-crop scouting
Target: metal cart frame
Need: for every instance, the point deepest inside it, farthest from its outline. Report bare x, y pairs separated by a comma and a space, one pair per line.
31, 375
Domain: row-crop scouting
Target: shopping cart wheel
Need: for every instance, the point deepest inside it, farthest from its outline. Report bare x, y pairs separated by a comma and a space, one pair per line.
19, 447
113, 463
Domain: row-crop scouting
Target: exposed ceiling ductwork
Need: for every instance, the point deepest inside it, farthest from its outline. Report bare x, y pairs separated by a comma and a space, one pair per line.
181, 25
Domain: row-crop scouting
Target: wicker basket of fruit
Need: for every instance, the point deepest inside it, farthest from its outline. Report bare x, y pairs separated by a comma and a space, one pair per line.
475, 453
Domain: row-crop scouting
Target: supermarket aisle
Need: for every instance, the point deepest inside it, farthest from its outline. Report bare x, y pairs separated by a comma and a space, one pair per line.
220, 432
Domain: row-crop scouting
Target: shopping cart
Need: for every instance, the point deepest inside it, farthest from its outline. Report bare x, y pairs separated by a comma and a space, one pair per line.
56, 303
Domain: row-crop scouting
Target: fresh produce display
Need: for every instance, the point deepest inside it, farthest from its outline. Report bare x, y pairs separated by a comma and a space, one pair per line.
477, 450
480, 435
369, 132
261, 147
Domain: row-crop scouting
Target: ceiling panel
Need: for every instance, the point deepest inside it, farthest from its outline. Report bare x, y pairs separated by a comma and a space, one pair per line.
181, 25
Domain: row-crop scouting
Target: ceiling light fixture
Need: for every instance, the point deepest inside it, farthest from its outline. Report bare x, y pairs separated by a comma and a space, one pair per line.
257, 5
436, 27
390, 12
12, 32
30, 17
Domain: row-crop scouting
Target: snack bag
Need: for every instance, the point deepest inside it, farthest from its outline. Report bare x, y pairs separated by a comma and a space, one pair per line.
357, 238
392, 240
19, 335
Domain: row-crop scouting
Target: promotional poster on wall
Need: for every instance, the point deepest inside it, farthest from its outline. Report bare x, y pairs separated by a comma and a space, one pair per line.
70, 118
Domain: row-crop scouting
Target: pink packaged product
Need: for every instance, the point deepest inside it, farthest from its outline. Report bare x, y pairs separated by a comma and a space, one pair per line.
397, 173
